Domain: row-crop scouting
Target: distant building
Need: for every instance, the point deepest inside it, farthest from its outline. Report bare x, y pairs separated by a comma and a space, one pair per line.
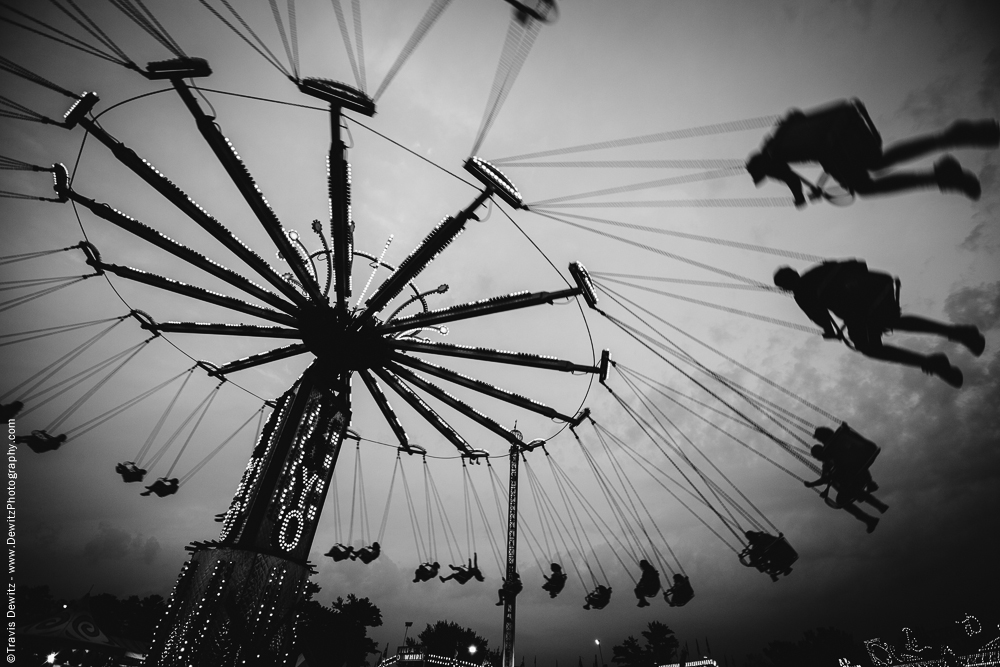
416, 656
704, 662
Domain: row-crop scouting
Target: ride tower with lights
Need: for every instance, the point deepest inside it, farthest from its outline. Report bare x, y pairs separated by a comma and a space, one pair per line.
234, 602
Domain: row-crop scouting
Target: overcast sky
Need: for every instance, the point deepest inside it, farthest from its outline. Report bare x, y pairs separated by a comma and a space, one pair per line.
605, 70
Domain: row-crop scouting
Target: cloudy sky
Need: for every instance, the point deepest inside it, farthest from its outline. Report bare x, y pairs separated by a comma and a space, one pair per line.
604, 71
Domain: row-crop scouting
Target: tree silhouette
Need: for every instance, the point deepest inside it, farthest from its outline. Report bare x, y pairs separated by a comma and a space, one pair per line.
451, 640
661, 648
337, 635
823, 647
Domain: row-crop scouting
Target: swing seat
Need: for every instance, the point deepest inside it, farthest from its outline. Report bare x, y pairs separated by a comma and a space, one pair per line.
10, 410
853, 454
680, 593
771, 555
130, 472
40, 441
163, 487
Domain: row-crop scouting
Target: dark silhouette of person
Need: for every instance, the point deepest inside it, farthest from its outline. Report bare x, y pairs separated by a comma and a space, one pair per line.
510, 589
648, 585
367, 554
868, 303
680, 593
847, 471
555, 583
339, 552
41, 441
162, 487
426, 572
130, 472
10, 410
463, 573
769, 554
843, 140
598, 598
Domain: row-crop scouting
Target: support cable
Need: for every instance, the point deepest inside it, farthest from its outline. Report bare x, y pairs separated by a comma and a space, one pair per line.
194, 429
752, 247
700, 131
633, 547
597, 520
719, 202
81, 429
342, 22
95, 31
443, 516
650, 384
760, 429
201, 464
25, 298
646, 185
432, 15
52, 331
388, 501
63, 38
142, 17
7, 285
262, 50
575, 523
10, 66
715, 306
284, 38
653, 411
141, 454
649, 466
490, 537
739, 364
155, 458
685, 281
520, 38
561, 531
21, 112
359, 44
653, 249
44, 374
644, 427
627, 485
68, 412
418, 538
722, 163
776, 413
354, 494
10, 259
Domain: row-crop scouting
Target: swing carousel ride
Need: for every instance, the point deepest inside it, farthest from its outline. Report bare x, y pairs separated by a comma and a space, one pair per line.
236, 274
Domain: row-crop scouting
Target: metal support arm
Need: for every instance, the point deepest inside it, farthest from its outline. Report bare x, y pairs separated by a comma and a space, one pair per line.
244, 182
453, 402
190, 256
497, 304
225, 329
195, 292
261, 358
189, 207
479, 385
425, 411
424, 254
383, 405
488, 354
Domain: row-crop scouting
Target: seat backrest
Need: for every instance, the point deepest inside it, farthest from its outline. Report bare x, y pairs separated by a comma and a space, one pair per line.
852, 452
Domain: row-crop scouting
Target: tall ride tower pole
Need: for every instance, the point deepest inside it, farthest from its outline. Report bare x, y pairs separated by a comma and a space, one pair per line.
510, 601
